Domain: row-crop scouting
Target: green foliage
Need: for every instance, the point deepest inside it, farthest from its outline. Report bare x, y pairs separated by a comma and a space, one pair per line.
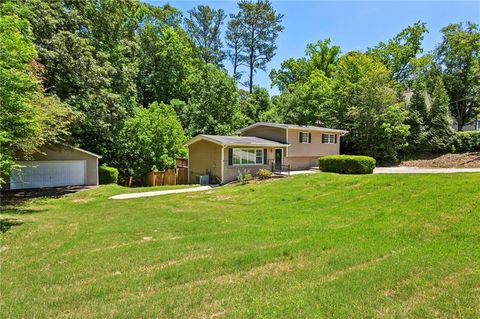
107, 175
152, 137
440, 132
264, 174
212, 106
347, 164
468, 141
398, 53
458, 56
28, 118
417, 120
204, 27
257, 106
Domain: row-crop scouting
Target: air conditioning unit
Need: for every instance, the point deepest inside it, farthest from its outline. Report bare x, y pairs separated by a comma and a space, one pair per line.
204, 179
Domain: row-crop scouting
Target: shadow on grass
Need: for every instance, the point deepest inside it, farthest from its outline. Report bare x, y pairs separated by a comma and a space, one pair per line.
7, 223
17, 197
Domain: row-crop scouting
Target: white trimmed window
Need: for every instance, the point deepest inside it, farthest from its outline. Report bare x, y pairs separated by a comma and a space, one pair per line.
248, 156
304, 137
328, 139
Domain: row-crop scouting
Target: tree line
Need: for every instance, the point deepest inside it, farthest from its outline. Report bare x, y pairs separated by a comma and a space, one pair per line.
132, 81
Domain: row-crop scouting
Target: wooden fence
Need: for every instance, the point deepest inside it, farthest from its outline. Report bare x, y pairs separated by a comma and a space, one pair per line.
168, 177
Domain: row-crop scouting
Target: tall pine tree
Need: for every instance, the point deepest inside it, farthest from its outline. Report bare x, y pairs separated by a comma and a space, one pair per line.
440, 132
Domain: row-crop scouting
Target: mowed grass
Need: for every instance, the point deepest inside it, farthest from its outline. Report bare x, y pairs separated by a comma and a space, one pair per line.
320, 245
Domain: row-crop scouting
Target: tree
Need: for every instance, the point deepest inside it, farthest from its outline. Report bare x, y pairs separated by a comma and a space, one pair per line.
458, 56
417, 120
260, 26
440, 132
151, 139
166, 61
89, 52
212, 106
321, 56
28, 118
204, 27
368, 106
257, 106
234, 44
398, 52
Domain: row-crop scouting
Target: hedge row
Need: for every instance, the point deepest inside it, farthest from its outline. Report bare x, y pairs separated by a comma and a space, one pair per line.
107, 175
466, 142
347, 164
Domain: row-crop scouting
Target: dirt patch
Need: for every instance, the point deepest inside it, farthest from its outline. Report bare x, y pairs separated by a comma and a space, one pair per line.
465, 160
16, 197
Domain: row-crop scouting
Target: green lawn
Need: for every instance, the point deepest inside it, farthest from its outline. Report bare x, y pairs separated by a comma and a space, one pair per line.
319, 245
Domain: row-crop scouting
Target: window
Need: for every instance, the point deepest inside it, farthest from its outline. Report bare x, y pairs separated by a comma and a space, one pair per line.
328, 139
304, 137
249, 156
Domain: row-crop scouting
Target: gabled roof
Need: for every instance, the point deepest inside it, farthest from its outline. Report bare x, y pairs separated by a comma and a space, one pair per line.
236, 140
84, 151
293, 126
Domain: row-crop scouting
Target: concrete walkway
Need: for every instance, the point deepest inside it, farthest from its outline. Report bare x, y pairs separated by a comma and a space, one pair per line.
165, 192
421, 170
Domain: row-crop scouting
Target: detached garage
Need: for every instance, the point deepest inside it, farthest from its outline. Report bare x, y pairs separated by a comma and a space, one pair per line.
56, 166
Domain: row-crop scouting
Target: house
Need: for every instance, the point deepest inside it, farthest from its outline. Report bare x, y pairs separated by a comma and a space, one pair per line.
56, 166
260, 146
472, 126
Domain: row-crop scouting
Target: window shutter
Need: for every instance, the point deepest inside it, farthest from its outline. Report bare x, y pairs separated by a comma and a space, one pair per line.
309, 137
230, 156
323, 138
335, 138
300, 137
264, 156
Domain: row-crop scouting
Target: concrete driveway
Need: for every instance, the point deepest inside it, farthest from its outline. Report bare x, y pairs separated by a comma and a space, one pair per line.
421, 170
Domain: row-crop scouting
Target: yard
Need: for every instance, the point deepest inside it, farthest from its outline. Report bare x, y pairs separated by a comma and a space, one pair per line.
318, 245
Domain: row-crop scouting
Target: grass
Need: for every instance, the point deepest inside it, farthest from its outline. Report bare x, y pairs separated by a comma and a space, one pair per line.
319, 245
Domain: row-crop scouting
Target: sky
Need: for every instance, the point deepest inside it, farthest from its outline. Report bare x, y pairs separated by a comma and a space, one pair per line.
353, 25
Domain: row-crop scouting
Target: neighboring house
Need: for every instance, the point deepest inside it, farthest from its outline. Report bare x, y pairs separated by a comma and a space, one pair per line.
261, 145
56, 166
472, 126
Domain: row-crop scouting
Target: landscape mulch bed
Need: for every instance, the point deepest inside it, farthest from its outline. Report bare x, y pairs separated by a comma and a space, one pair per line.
466, 160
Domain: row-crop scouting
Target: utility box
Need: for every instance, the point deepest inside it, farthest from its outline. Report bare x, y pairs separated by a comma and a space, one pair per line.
204, 179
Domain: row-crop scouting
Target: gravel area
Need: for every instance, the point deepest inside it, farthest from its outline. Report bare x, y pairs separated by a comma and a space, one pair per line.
465, 160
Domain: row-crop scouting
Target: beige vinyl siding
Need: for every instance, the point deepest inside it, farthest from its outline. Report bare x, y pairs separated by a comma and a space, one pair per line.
314, 149
66, 153
204, 155
300, 163
271, 133
230, 172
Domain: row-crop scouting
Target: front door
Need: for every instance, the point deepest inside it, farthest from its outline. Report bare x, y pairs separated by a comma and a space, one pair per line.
278, 159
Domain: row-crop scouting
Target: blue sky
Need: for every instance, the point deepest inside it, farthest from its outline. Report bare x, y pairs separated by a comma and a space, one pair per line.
353, 25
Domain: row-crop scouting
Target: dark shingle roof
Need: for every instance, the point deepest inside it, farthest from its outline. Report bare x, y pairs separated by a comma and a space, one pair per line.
294, 126
237, 140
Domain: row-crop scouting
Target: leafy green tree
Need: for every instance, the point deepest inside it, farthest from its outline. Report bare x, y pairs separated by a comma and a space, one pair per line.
212, 106
166, 61
204, 27
321, 56
368, 106
458, 56
397, 53
28, 119
257, 106
440, 132
151, 139
89, 52
309, 102
260, 26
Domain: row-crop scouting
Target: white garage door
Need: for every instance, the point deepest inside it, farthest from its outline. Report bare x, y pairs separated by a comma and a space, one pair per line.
48, 174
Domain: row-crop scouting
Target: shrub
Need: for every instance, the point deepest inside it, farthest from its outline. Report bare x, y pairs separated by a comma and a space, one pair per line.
347, 164
107, 175
264, 173
466, 141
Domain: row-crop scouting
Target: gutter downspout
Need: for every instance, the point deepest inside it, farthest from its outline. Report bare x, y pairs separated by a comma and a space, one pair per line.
222, 163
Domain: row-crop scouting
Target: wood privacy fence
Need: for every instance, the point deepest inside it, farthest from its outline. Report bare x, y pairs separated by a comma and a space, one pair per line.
168, 177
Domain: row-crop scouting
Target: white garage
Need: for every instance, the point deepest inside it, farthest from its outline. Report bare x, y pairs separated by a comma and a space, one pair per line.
55, 167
